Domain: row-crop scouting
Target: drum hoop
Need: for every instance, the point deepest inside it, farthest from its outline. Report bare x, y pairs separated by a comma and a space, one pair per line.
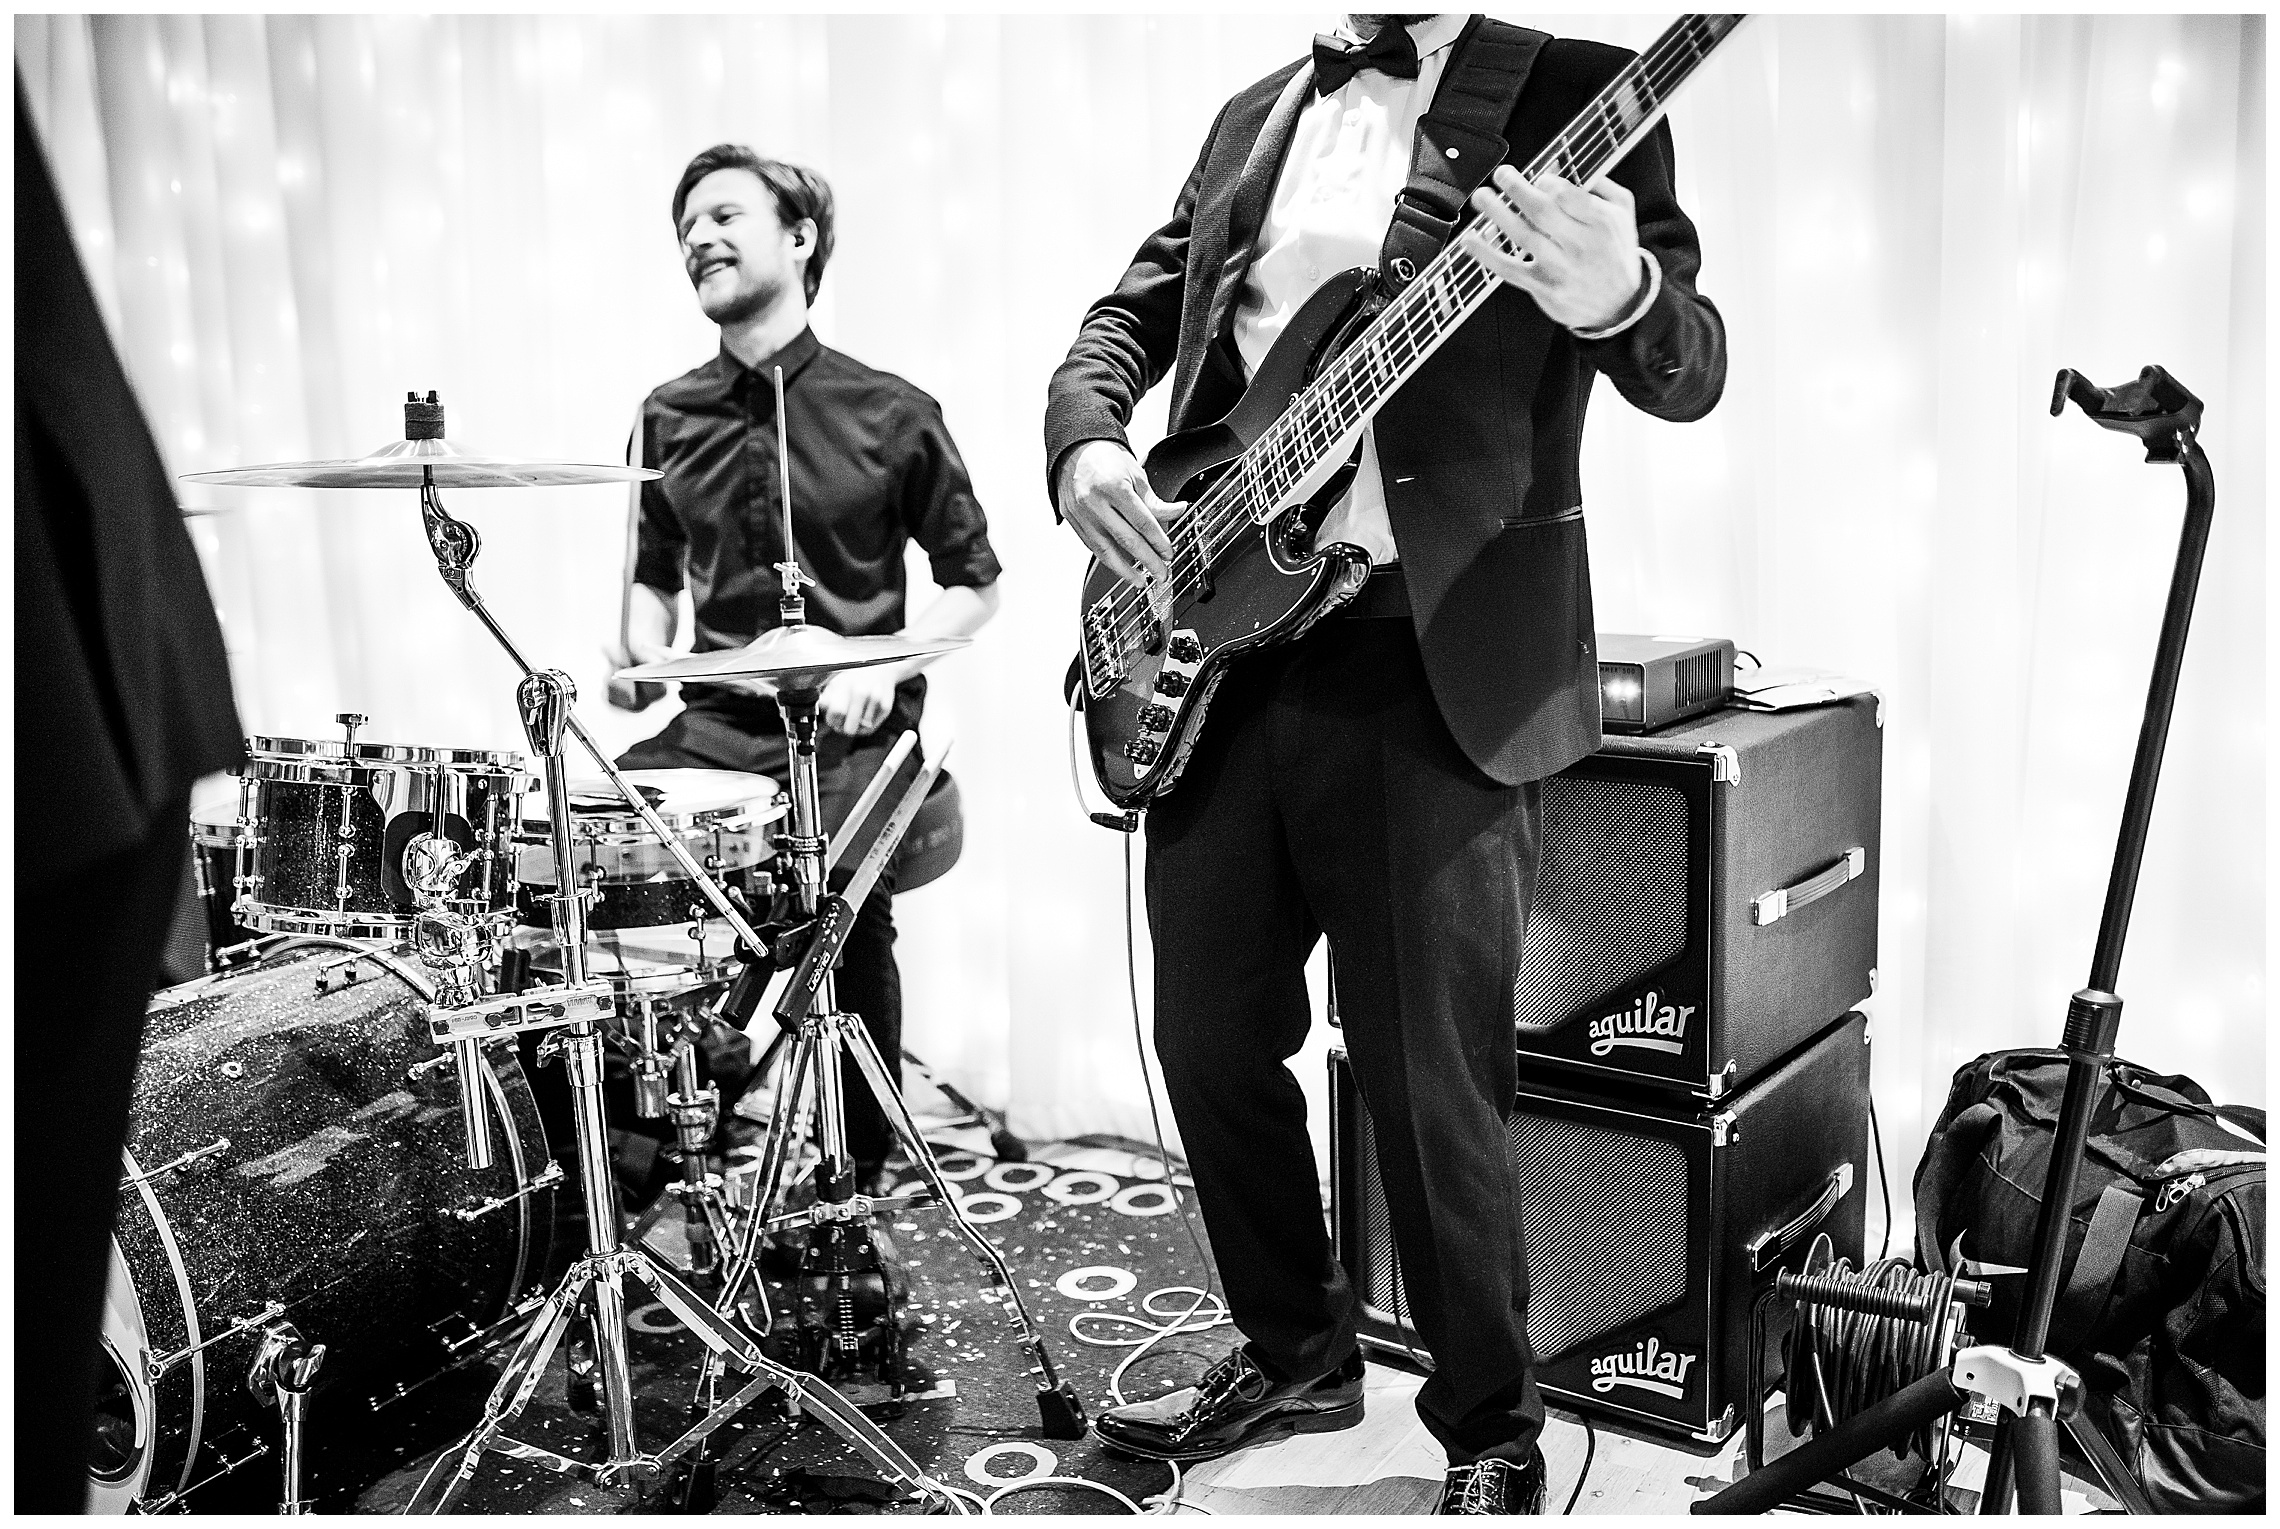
282, 918
616, 829
192, 1333
502, 1111
264, 745
387, 955
359, 776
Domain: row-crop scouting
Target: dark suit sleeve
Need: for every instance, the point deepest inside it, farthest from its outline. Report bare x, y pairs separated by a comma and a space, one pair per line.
1128, 340
1672, 362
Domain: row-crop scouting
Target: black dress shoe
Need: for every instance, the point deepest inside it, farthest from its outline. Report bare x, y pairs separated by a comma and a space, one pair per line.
1495, 1486
1236, 1403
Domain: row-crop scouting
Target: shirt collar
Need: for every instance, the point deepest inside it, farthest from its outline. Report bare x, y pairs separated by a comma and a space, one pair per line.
1430, 35
793, 358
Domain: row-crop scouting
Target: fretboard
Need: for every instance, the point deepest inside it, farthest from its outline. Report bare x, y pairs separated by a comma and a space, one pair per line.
1329, 414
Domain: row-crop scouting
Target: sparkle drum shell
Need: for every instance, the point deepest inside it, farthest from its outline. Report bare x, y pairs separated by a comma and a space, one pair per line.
326, 1175
324, 825
725, 819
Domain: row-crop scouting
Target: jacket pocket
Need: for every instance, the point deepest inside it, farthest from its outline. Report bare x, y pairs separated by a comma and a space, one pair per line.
1515, 522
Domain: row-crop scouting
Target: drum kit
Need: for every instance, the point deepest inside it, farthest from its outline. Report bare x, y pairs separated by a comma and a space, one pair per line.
337, 1175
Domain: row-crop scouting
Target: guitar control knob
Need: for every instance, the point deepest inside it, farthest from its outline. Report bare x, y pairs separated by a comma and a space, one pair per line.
1157, 719
1142, 751
1171, 682
1185, 649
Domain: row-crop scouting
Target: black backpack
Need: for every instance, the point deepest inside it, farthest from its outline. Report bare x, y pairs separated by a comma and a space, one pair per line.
2162, 1308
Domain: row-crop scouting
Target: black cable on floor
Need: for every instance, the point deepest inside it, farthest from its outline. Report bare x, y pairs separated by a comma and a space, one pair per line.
1590, 1448
1883, 1182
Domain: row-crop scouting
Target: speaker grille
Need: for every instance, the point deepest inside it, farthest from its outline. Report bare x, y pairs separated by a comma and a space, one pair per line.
1603, 1218
1610, 896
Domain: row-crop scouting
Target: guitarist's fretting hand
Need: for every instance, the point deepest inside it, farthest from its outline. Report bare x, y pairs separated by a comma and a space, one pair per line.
1579, 245
1104, 494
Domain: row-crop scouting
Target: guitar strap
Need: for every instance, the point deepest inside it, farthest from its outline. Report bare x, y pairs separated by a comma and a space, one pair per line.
1458, 142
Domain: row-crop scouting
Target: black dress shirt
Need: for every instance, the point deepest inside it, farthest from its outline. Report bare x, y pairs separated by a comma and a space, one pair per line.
873, 468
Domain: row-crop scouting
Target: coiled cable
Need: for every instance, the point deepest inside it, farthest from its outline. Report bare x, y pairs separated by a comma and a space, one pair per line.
1862, 1335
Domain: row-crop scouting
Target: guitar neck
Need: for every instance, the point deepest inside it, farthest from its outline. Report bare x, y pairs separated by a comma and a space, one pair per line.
1351, 388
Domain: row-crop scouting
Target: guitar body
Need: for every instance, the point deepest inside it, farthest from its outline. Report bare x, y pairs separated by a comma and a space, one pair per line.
1268, 587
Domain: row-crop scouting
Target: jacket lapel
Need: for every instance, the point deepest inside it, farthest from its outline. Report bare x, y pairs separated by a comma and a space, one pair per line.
1254, 190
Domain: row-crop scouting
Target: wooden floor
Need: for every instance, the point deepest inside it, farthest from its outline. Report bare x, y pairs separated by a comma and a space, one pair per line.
1390, 1464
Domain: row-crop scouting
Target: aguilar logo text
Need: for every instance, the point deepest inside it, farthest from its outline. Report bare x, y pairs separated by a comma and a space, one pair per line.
1649, 1367
1650, 1025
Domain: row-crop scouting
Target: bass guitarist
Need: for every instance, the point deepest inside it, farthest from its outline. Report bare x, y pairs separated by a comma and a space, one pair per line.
1376, 781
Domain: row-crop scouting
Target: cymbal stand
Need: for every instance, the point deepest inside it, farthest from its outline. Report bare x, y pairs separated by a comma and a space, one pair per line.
824, 1038
576, 1009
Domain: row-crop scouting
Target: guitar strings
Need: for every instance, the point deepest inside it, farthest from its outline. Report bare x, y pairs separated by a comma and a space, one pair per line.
1340, 384
1451, 287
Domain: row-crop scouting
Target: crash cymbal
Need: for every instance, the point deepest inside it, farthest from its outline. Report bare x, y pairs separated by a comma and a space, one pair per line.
793, 657
408, 464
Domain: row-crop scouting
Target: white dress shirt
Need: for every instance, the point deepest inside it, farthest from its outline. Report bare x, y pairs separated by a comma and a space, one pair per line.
1349, 158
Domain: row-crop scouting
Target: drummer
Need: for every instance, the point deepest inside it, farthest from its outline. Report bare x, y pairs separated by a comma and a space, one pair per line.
872, 469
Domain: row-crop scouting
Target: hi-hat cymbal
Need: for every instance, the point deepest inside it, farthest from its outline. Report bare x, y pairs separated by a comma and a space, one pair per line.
408, 464
794, 657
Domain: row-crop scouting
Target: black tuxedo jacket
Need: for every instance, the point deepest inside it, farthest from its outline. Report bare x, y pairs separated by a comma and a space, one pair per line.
122, 683
1478, 450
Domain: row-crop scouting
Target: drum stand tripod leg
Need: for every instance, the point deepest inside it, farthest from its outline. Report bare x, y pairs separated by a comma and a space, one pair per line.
1062, 1413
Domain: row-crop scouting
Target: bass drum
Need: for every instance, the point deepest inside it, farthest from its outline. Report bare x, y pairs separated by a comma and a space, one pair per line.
296, 1154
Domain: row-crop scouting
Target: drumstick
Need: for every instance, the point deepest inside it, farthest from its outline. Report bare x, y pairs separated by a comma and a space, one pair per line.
860, 815
632, 543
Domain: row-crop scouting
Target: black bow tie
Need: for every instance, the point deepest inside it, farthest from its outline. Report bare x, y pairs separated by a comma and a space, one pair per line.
1390, 52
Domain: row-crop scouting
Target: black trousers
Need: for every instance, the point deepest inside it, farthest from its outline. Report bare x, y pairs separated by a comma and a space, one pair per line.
87, 954
868, 982
1326, 797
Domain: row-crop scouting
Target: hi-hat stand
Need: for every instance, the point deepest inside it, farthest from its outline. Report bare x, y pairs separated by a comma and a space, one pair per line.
2033, 1392
824, 1039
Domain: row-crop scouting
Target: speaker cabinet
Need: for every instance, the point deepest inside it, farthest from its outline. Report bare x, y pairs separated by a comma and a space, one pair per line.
1650, 1225
1706, 898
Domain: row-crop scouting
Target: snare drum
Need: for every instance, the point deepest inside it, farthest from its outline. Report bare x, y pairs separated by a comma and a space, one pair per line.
296, 1149
327, 824
723, 818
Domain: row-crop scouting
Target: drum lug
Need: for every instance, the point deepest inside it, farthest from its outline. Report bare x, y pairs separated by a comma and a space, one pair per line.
340, 975
158, 1364
547, 1178
173, 1500
188, 1159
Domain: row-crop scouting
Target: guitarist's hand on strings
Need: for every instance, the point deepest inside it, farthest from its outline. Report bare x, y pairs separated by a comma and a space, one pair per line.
1103, 493
1578, 245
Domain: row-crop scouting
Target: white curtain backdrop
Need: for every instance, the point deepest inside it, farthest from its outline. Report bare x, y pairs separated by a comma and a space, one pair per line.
1909, 223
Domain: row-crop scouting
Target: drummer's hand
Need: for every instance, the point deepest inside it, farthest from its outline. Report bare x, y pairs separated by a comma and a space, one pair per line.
634, 695
856, 701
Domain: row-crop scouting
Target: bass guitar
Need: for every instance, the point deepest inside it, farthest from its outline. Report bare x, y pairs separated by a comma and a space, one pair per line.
1245, 569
